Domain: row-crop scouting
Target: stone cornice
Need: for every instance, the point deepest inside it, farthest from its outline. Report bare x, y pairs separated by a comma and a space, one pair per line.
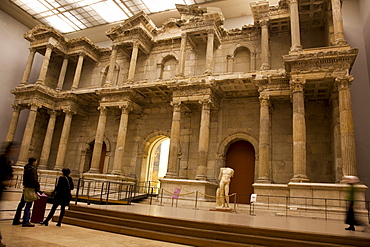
323, 59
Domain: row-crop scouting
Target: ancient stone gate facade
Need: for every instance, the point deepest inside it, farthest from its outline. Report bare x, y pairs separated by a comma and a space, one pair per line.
281, 84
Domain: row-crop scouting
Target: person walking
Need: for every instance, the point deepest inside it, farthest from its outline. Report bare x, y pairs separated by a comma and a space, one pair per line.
350, 216
6, 172
30, 180
62, 196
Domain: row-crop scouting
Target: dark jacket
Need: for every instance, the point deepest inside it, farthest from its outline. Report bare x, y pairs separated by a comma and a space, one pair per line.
30, 177
63, 190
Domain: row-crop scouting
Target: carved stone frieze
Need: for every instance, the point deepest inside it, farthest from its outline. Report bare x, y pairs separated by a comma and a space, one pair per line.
325, 59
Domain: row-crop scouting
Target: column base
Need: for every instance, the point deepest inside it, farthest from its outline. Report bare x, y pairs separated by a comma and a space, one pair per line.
265, 66
93, 170
116, 172
58, 168
295, 49
170, 175
108, 84
208, 72
201, 173
340, 42
300, 178
263, 180
201, 177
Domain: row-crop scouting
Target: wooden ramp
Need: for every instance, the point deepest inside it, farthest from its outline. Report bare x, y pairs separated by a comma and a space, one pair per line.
198, 233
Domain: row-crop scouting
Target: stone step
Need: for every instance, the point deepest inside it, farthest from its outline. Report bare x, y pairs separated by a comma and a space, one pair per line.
197, 233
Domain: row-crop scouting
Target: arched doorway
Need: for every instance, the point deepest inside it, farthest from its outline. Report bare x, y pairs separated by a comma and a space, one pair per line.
240, 156
88, 157
157, 161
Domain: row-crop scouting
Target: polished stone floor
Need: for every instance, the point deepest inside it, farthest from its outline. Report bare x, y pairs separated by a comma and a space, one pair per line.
69, 235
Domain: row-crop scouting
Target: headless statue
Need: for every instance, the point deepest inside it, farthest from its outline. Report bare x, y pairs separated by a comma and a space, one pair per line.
222, 193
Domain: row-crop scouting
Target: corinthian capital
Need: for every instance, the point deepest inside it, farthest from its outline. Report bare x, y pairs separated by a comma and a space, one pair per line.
176, 106
297, 85
344, 81
206, 103
17, 107
126, 107
103, 110
264, 22
69, 111
265, 100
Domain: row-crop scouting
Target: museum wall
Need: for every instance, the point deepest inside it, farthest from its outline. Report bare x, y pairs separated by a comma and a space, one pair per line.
356, 15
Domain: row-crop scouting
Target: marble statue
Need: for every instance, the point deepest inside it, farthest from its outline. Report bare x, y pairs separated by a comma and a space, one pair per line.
222, 200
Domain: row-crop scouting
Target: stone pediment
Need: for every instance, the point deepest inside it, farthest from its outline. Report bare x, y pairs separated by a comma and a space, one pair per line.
140, 20
192, 15
42, 32
85, 45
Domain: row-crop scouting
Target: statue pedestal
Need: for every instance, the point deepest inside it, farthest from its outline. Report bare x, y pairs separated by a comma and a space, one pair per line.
188, 188
230, 210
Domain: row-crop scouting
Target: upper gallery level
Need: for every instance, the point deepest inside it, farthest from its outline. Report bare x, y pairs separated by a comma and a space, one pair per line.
292, 37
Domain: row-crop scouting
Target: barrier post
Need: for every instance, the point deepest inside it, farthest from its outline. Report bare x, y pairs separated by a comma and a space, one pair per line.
161, 197
253, 199
78, 190
196, 200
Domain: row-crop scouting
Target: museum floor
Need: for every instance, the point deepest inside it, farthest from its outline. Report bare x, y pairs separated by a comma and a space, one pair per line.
69, 235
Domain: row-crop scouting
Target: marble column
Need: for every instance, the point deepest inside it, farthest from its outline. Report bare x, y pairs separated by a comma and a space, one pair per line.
45, 152
99, 138
77, 77
27, 71
45, 64
294, 23
347, 134
264, 45
338, 22
253, 61
112, 64
299, 132
337, 153
172, 169
230, 63
133, 61
264, 142
62, 149
182, 57
62, 74
121, 140
209, 54
27, 135
201, 173
13, 123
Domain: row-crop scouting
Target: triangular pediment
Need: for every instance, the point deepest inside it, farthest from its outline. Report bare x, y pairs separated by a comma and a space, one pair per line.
40, 32
140, 20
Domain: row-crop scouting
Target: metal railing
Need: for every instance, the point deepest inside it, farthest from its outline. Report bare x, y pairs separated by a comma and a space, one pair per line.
104, 191
323, 207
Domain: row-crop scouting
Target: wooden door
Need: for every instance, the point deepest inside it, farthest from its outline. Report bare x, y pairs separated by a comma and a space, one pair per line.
240, 157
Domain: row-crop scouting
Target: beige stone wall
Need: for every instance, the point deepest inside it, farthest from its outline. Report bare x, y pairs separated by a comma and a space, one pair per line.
319, 150
281, 142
